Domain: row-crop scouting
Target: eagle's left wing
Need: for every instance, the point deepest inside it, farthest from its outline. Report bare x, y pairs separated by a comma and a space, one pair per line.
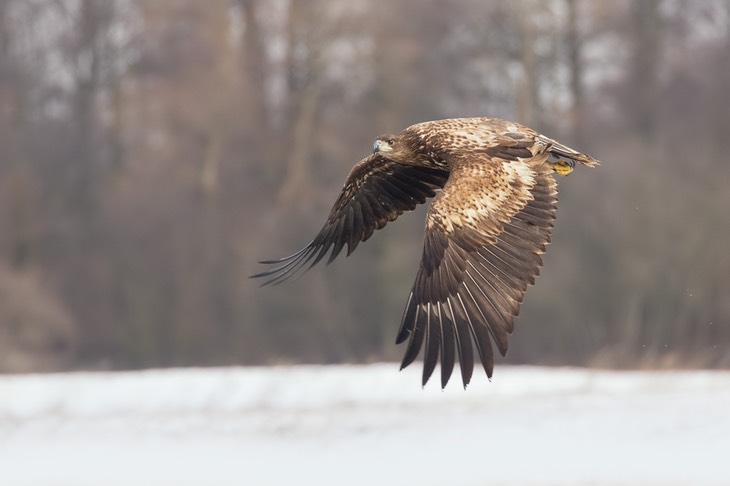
376, 192
484, 235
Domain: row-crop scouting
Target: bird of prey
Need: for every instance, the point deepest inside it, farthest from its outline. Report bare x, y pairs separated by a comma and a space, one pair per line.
490, 220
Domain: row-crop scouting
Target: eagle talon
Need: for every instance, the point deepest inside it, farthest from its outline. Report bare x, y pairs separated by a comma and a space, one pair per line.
563, 168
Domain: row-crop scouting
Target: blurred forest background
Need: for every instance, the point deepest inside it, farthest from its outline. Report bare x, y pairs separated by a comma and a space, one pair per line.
151, 151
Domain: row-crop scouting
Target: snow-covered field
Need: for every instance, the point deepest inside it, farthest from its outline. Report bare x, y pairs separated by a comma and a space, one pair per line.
364, 425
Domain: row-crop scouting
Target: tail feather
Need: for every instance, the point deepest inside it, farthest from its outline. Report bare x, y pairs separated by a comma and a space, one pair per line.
559, 152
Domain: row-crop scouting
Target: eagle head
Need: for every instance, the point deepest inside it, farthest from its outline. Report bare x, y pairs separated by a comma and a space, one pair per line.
392, 147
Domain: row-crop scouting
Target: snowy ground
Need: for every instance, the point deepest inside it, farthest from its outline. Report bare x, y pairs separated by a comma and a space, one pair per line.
364, 425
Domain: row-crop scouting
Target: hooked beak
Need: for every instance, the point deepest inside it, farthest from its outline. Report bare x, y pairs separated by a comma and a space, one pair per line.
381, 146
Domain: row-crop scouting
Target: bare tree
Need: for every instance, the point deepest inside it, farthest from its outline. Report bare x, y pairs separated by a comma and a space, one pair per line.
152, 151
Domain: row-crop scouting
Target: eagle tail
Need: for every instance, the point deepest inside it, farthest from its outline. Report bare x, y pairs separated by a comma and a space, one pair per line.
563, 155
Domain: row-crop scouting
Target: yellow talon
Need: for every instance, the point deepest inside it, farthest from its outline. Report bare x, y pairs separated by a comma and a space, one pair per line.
562, 168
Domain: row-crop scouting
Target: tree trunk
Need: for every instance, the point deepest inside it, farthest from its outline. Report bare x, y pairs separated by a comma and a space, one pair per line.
575, 69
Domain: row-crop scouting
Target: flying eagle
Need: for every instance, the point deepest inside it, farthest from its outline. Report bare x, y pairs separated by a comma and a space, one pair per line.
490, 220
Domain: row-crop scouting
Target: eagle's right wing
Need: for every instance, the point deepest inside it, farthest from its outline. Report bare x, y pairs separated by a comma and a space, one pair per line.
484, 235
376, 192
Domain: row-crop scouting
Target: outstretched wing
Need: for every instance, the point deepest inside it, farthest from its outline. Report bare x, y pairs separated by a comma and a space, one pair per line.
484, 235
376, 192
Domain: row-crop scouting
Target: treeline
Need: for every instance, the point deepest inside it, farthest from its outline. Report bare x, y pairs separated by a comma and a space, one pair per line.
151, 151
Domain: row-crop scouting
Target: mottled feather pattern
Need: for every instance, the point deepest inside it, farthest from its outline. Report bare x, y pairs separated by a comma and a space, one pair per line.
482, 272
495, 201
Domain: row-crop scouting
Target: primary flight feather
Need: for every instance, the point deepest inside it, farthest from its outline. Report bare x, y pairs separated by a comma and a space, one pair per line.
494, 204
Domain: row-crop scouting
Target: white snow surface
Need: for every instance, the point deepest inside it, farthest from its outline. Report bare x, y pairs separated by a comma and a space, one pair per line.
365, 425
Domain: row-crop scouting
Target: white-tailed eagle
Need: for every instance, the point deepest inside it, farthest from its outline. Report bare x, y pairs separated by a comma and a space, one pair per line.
490, 220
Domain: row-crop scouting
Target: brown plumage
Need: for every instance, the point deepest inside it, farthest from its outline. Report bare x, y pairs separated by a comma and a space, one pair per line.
490, 220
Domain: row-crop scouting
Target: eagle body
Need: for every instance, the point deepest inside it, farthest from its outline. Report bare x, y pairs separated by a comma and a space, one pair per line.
493, 209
